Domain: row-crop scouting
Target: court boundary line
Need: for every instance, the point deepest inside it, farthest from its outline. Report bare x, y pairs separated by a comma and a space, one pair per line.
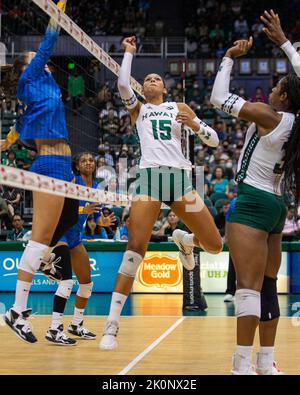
147, 350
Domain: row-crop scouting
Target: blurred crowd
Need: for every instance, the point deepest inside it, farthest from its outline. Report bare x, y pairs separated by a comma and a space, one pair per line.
210, 25
97, 17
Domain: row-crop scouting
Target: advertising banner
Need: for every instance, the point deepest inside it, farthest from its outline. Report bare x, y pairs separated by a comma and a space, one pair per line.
160, 272
104, 269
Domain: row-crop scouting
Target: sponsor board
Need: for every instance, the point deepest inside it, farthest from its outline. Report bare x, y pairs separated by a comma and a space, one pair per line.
104, 268
214, 271
159, 272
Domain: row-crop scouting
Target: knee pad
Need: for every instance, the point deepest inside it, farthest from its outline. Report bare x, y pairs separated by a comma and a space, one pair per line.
269, 300
68, 218
31, 259
65, 288
85, 290
63, 258
130, 263
247, 302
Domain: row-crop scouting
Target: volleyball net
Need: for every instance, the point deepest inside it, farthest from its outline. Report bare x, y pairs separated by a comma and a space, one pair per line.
27, 180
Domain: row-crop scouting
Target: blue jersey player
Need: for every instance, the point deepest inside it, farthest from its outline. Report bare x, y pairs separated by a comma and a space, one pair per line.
84, 167
41, 125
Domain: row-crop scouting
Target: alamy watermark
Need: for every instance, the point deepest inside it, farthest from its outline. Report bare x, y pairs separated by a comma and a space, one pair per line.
162, 183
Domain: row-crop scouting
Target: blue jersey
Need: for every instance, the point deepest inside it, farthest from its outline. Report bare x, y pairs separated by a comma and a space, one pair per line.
74, 235
83, 217
42, 113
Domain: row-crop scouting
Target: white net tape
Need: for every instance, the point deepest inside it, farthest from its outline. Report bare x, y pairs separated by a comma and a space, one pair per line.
35, 182
87, 42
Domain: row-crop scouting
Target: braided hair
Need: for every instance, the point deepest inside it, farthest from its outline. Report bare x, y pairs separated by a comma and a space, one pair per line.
291, 166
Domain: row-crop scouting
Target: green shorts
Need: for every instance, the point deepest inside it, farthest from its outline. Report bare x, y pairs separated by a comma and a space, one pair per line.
162, 183
259, 209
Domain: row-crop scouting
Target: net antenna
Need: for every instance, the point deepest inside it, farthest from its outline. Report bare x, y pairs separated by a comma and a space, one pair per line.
83, 39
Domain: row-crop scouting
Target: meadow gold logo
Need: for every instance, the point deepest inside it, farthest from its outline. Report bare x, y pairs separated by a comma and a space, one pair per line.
161, 270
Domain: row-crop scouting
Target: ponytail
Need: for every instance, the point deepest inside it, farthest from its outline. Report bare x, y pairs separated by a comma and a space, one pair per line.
291, 166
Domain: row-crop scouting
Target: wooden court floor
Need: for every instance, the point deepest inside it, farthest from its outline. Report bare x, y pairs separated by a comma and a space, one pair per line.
147, 345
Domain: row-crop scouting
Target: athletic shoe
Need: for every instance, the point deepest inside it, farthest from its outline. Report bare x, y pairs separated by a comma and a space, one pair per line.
20, 324
49, 267
242, 367
185, 252
59, 337
109, 338
270, 371
228, 298
79, 330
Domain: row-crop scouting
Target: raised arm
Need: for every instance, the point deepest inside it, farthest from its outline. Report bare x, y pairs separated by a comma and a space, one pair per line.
207, 134
260, 113
38, 63
127, 94
275, 33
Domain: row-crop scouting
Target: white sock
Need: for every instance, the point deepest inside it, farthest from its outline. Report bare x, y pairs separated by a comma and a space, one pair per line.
116, 306
244, 351
188, 239
57, 319
265, 357
21, 296
78, 316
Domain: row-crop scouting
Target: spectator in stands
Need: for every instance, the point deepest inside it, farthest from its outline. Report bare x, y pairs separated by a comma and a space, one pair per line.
217, 33
5, 214
103, 172
113, 139
93, 231
124, 122
12, 197
18, 230
110, 123
291, 226
241, 27
220, 128
219, 184
110, 230
259, 96
124, 229
76, 89
172, 222
220, 218
130, 138
103, 152
10, 159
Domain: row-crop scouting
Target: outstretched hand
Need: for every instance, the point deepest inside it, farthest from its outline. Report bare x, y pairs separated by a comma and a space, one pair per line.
240, 48
129, 44
273, 27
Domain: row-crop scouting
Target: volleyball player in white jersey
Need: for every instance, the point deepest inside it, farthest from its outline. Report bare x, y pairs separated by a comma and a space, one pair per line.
162, 177
268, 169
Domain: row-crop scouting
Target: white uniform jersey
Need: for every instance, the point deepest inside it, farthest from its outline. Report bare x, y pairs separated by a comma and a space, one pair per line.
261, 160
160, 136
